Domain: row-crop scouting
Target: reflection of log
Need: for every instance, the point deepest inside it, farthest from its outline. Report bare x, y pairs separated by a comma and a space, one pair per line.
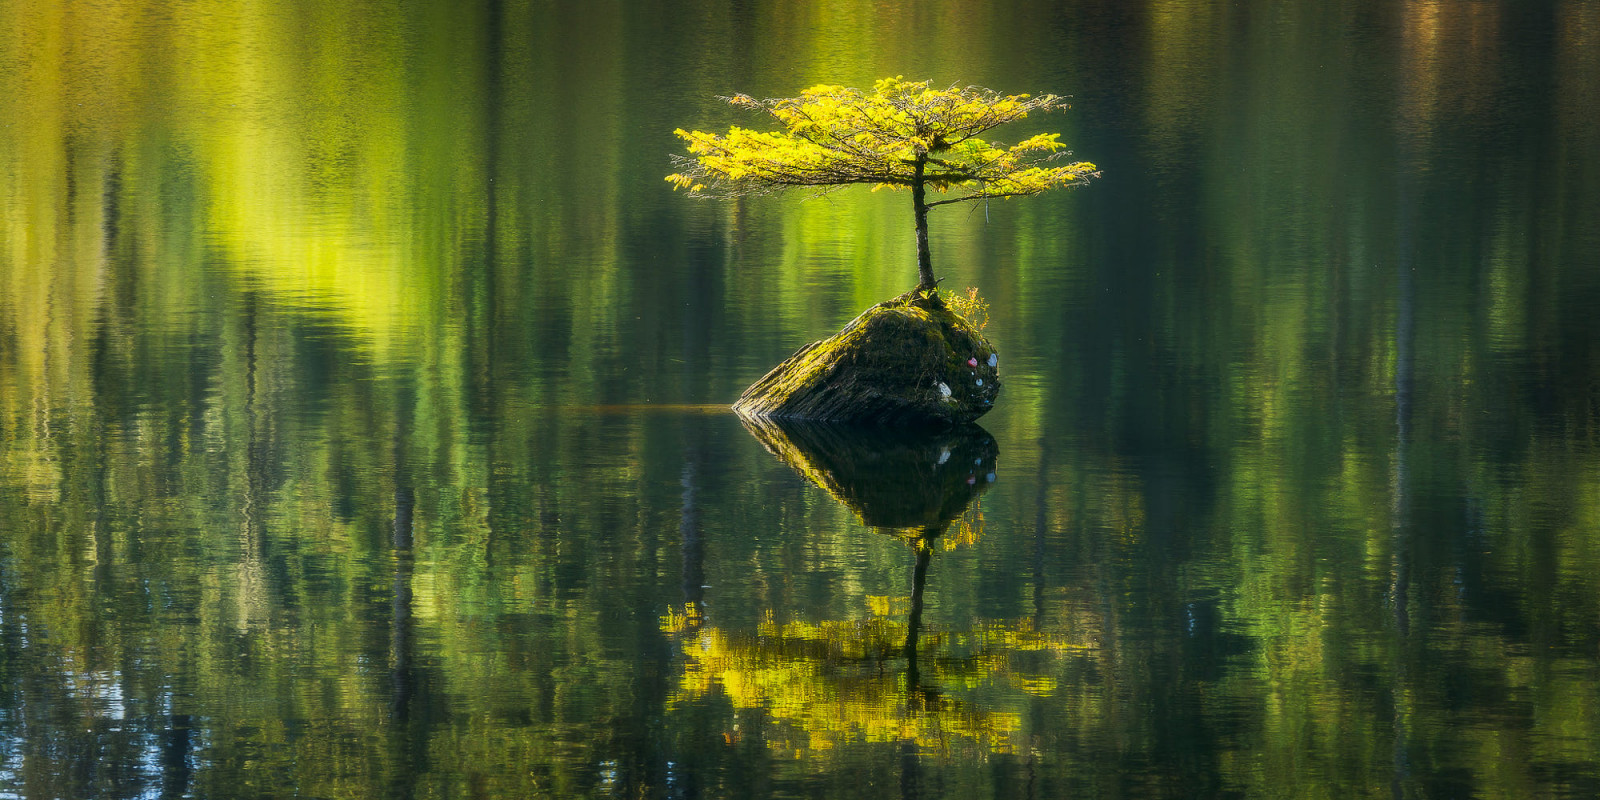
889, 479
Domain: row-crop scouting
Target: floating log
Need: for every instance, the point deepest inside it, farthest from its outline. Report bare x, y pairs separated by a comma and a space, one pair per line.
906, 362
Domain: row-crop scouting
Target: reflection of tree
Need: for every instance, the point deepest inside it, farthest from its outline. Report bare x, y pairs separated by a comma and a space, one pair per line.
403, 678
831, 683
912, 486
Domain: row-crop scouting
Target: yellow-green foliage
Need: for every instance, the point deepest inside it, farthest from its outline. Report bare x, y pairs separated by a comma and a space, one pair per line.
835, 136
968, 306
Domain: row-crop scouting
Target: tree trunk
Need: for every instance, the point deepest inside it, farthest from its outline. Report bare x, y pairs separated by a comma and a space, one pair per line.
919, 205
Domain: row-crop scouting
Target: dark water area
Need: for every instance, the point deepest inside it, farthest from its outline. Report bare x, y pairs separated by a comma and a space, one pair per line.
363, 423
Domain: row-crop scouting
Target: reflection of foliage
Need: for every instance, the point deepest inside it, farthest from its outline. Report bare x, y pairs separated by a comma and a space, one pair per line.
966, 530
830, 682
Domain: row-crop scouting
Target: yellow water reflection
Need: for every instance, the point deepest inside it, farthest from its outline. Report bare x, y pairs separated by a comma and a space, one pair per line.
837, 682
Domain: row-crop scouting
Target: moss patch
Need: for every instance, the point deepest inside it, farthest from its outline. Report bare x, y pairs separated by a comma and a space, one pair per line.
906, 362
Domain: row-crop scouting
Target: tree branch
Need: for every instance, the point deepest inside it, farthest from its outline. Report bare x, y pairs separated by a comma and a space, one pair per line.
983, 196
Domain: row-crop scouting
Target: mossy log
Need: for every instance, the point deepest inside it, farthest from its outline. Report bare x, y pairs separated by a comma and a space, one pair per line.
906, 362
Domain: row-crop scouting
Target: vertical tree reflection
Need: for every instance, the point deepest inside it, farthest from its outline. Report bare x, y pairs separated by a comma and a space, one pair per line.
408, 735
1400, 524
923, 545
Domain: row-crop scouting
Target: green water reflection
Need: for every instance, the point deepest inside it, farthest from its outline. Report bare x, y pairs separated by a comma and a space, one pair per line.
358, 427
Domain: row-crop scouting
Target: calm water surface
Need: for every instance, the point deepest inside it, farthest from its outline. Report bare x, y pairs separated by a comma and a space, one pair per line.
361, 427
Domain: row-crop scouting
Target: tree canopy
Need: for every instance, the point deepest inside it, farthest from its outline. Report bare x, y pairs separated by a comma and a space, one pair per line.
902, 134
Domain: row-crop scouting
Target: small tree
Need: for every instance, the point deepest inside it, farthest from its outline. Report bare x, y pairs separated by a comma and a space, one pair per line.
900, 135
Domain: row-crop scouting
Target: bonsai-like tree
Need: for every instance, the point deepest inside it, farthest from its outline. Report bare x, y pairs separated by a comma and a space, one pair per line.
902, 134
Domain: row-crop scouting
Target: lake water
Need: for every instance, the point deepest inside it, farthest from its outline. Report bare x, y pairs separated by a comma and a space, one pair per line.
363, 424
